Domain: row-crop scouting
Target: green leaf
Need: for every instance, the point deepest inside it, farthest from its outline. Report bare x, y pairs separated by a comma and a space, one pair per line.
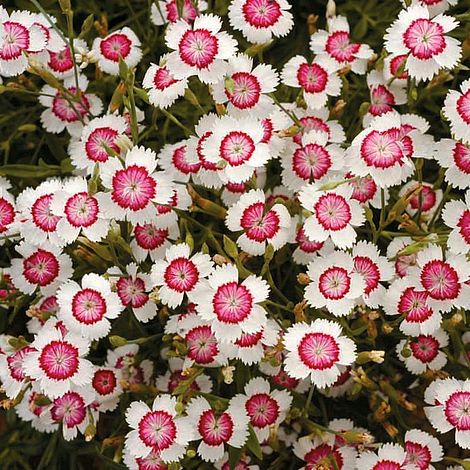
234, 455
252, 443
230, 247
30, 171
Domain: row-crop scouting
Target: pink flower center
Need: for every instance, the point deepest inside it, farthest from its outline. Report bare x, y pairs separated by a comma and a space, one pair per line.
261, 13
61, 61
104, 382
387, 465
206, 164
424, 348
153, 461
181, 275
312, 78
88, 306
232, 303
59, 360
322, 457
318, 351
457, 410
369, 270
259, 226
42, 215
424, 38
245, 92
202, 345
413, 303
268, 129
339, 47
41, 268
157, 430
70, 409
428, 199
463, 107
67, 111
97, 142
215, 430
7, 214
150, 237
464, 225
248, 340
418, 455
180, 162
382, 100
461, 154
198, 48
14, 41
262, 410
381, 149
115, 46
236, 148
163, 78
188, 12
440, 280
15, 363
364, 189
312, 123
305, 244
397, 64
81, 210
131, 291
311, 161
334, 283
332, 211
133, 188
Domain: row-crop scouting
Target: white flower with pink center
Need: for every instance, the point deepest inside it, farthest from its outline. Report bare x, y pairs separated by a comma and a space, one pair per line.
203, 348
383, 95
435, 7
38, 224
134, 187
457, 111
72, 410
236, 147
175, 375
388, 457
335, 283
232, 306
79, 212
444, 279
153, 239
7, 210
200, 49
170, 11
178, 162
20, 34
374, 269
455, 157
44, 268
57, 362
456, 215
311, 160
425, 199
121, 44
12, 375
424, 40
64, 113
334, 214
307, 250
422, 449
423, 352
242, 464
97, 138
450, 410
261, 224
38, 415
413, 303
366, 191
60, 62
87, 308
106, 383
316, 453
336, 43
266, 408
261, 20
394, 68
179, 274
132, 370
157, 429
245, 87
216, 429
396, 252
163, 89
250, 348
318, 79
273, 125
132, 288
384, 150
152, 461
318, 351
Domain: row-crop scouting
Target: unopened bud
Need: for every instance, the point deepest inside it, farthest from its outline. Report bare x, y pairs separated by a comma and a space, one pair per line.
303, 279
123, 142
220, 260
227, 372
370, 356
90, 432
117, 341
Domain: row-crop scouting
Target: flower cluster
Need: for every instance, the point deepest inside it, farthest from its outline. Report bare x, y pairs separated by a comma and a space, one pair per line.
232, 263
